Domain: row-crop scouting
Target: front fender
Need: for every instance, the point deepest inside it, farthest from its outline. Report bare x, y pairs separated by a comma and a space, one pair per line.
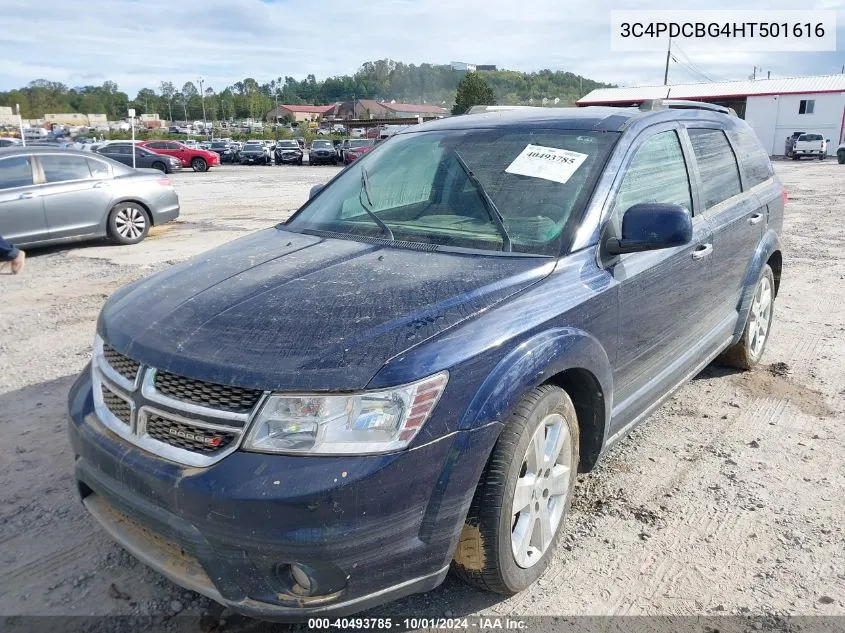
532, 363
769, 243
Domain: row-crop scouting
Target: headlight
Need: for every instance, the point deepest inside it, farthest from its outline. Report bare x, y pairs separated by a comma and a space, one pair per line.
362, 423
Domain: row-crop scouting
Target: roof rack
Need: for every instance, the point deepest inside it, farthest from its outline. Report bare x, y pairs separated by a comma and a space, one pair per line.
679, 104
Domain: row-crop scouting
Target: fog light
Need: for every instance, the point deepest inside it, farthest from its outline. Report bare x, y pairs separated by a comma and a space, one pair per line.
301, 577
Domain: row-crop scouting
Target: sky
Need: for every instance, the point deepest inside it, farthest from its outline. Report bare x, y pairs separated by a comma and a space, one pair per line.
140, 43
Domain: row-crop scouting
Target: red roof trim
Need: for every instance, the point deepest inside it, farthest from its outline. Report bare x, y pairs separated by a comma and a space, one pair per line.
704, 98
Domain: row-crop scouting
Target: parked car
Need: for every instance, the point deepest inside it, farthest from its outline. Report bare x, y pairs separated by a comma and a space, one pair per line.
9, 142
840, 154
287, 152
190, 143
790, 143
408, 375
193, 157
144, 158
813, 145
254, 153
50, 196
227, 151
355, 149
322, 153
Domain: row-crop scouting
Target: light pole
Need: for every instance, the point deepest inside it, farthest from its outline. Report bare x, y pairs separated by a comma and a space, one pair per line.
202, 98
20, 123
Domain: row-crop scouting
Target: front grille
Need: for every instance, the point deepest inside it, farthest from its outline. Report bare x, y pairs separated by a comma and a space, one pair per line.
123, 365
117, 405
187, 436
207, 394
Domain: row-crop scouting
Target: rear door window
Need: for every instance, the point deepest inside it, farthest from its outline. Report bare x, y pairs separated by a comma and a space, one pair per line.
756, 166
64, 168
716, 165
15, 172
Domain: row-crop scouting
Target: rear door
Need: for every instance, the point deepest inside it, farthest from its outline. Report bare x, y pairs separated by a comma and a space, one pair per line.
75, 199
22, 219
664, 316
734, 213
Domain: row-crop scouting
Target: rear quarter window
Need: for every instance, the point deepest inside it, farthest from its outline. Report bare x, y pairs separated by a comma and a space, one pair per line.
716, 166
753, 159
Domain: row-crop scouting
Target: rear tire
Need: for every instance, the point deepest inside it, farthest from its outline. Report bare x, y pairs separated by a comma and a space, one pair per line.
128, 223
840, 156
533, 468
199, 164
748, 350
160, 166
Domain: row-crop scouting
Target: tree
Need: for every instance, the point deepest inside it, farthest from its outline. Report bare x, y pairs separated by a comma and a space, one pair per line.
168, 92
473, 90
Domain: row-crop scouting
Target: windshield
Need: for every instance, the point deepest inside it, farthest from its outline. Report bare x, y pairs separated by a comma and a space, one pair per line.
463, 187
219, 144
292, 144
360, 143
253, 146
318, 144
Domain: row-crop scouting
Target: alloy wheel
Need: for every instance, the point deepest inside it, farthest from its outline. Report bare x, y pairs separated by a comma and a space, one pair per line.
760, 317
130, 222
541, 491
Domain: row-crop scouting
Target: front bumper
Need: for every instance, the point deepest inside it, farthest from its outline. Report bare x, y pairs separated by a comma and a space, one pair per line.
387, 523
288, 159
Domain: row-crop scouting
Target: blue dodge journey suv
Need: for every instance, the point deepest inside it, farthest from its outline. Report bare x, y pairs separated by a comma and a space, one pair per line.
407, 375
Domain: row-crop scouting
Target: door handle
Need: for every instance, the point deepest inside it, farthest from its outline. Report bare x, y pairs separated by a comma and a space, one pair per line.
702, 251
27, 195
755, 219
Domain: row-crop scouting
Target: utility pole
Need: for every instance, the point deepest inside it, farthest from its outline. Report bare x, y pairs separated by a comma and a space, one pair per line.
754, 72
20, 123
668, 55
768, 74
202, 99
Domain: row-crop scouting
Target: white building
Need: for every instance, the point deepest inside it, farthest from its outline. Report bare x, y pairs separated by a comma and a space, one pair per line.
775, 108
463, 66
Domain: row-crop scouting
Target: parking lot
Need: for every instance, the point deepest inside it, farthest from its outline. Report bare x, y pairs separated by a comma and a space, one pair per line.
728, 500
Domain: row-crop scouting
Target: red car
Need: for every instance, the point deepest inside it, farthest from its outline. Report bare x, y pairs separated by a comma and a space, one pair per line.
356, 149
196, 159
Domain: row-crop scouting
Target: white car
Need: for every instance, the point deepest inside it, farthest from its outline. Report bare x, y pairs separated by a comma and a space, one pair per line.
810, 144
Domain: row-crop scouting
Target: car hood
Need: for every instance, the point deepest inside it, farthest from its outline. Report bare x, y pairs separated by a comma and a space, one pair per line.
290, 311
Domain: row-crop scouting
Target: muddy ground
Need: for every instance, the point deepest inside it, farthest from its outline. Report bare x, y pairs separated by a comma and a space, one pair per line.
729, 500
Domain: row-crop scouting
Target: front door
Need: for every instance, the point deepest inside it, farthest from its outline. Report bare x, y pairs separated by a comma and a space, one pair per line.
75, 202
663, 301
22, 219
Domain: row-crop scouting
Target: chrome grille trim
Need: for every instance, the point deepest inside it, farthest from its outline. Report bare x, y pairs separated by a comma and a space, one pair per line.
144, 400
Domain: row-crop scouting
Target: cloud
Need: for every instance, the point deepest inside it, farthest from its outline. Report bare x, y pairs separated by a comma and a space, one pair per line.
140, 44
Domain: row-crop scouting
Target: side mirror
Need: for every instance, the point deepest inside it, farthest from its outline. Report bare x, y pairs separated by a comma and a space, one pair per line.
315, 190
827, 140
650, 227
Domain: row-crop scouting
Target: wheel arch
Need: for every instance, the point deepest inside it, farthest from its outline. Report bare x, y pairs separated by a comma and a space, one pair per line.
140, 203
569, 358
768, 252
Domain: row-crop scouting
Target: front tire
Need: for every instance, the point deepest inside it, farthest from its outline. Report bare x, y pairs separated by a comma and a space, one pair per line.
519, 507
840, 156
160, 166
128, 223
746, 352
199, 164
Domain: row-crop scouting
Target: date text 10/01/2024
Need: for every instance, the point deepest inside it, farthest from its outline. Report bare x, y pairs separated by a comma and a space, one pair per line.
476, 623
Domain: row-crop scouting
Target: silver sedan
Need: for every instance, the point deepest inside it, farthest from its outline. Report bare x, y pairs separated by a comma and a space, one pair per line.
51, 196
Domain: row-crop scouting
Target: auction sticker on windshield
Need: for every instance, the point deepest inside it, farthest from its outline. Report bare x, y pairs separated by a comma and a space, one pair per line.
548, 163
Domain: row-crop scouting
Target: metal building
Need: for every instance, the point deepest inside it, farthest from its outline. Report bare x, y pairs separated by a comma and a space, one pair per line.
775, 108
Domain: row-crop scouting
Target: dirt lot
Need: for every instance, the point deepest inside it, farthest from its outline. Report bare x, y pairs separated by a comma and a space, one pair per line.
730, 499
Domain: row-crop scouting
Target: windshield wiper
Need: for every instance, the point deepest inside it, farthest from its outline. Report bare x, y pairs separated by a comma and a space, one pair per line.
365, 188
492, 210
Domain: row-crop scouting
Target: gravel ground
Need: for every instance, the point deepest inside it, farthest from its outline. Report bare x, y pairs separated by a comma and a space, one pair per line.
729, 500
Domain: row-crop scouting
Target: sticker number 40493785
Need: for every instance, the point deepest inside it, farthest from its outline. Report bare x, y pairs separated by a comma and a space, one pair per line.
548, 163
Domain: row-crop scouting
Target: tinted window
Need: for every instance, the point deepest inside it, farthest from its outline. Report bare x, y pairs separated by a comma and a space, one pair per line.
98, 168
64, 168
157, 145
753, 158
171, 146
657, 173
716, 165
15, 172
115, 149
